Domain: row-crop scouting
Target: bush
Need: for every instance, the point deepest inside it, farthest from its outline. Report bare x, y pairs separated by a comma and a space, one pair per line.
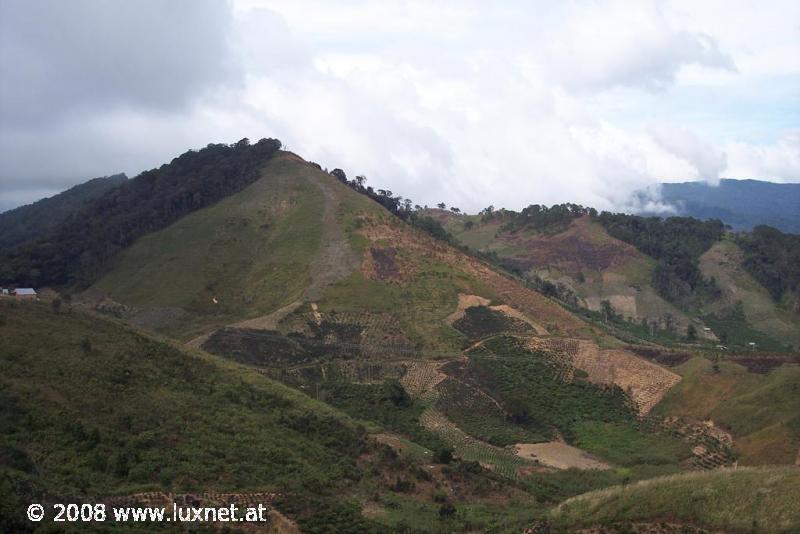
443, 455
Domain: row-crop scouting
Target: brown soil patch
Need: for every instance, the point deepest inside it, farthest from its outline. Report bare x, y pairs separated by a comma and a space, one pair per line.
581, 246
530, 303
559, 455
384, 265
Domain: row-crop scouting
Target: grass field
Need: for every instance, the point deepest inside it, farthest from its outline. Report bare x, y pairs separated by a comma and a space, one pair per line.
745, 500
762, 411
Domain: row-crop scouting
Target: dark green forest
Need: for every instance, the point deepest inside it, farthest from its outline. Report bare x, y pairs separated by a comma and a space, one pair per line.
773, 258
80, 250
676, 243
543, 219
44, 216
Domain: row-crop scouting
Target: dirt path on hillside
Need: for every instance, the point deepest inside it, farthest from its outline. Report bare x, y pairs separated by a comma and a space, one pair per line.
335, 260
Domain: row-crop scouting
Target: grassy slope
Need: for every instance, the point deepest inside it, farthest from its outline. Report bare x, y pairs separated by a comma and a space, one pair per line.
723, 262
761, 411
92, 409
762, 500
251, 251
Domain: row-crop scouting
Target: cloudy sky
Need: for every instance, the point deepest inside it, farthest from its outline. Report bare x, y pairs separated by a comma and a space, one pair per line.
472, 103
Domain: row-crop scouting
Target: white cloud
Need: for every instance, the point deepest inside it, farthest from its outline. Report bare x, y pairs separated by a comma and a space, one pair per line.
706, 160
465, 102
779, 162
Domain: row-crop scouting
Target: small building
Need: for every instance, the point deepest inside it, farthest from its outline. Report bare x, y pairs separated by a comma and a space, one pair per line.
4, 292
25, 293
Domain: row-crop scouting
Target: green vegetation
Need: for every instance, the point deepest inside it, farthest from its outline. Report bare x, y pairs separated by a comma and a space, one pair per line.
411, 515
43, 217
559, 485
601, 420
551, 219
89, 409
627, 445
730, 500
732, 329
386, 404
676, 242
773, 258
478, 415
80, 250
251, 252
744, 297
479, 322
762, 411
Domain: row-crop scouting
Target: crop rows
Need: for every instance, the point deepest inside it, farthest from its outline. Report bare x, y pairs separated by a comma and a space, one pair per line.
420, 379
499, 460
712, 447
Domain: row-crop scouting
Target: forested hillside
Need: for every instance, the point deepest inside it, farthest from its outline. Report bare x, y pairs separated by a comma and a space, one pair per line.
43, 217
80, 249
742, 204
773, 258
676, 243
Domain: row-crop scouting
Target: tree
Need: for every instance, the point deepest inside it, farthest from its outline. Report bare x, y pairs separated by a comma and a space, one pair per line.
455, 210
394, 392
468, 225
447, 510
669, 322
518, 410
339, 174
691, 333
608, 311
441, 206
443, 455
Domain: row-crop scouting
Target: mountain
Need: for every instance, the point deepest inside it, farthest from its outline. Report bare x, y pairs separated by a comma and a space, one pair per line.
44, 216
83, 245
651, 279
432, 371
742, 204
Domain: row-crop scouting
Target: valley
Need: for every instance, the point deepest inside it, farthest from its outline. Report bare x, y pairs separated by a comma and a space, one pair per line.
297, 338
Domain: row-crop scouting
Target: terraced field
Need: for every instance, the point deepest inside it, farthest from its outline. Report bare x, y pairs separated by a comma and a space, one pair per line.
645, 382
499, 460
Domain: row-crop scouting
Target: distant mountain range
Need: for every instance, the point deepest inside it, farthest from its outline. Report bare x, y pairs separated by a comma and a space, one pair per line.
742, 204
